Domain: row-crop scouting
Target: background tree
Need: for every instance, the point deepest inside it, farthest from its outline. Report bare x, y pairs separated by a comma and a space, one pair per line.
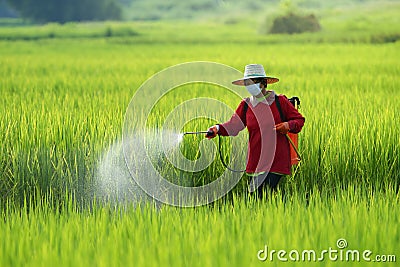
293, 23
67, 10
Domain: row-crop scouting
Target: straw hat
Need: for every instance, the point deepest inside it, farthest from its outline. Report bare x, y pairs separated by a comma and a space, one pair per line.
255, 71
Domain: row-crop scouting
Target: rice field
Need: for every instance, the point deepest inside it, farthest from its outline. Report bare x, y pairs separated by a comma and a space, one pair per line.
63, 107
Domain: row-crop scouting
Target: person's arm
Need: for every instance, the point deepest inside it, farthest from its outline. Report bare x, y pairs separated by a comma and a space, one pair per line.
235, 124
293, 116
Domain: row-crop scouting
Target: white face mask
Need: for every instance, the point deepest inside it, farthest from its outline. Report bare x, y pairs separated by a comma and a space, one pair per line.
254, 89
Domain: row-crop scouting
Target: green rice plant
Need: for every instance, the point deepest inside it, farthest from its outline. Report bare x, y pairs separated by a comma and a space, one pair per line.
63, 105
230, 234
59, 117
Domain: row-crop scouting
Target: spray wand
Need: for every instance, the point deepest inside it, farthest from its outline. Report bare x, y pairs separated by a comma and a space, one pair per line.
200, 132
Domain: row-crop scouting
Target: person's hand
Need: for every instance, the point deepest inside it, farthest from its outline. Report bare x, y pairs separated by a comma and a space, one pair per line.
282, 127
212, 131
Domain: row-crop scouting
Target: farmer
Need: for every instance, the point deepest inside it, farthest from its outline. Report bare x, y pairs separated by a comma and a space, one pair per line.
267, 132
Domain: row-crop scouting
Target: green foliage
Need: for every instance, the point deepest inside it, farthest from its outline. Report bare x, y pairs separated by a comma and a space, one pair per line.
225, 235
63, 104
293, 23
18, 31
228, 235
67, 10
61, 109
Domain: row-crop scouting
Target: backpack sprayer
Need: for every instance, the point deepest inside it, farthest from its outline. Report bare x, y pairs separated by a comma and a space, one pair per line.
293, 146
292, 138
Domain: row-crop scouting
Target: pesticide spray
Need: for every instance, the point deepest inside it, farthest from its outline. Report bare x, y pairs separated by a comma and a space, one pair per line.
113, 182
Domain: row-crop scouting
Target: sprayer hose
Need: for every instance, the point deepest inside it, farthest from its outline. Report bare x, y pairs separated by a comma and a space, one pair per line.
222, 158
232, 170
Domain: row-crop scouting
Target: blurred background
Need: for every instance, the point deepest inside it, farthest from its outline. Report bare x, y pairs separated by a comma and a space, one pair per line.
374, 21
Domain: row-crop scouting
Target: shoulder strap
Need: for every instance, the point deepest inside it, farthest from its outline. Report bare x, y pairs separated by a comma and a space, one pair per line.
245, 107
278, 105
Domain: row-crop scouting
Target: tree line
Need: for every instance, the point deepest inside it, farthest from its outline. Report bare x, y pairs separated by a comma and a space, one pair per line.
66, 10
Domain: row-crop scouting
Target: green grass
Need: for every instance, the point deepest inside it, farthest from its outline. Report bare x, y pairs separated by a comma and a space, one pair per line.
225, 235
63, 104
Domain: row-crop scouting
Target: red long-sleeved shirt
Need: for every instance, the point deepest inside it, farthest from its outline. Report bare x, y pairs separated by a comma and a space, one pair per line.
268, 150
